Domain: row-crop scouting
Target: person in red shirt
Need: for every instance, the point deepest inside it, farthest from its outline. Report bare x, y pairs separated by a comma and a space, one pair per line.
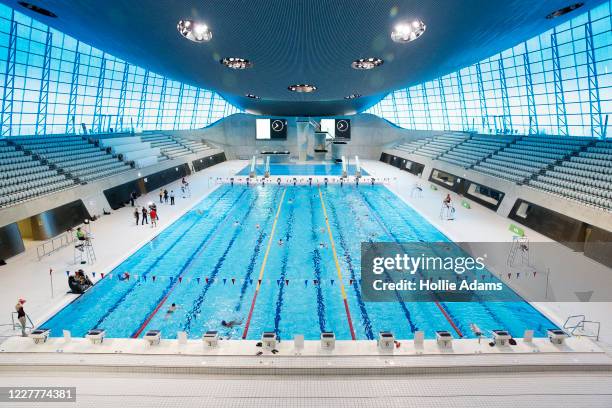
153, 216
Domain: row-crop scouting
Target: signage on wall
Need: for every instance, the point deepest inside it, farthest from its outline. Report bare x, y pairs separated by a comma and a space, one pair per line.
337, 128
271, 129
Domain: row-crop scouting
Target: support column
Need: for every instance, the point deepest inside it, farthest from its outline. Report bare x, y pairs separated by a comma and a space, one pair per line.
9, 81
43, 96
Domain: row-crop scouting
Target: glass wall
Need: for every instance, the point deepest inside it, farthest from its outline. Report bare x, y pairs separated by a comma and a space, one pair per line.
558, 83
52, 83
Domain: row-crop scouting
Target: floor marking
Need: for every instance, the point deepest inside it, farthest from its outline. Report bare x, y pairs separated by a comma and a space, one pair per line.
341, 282
263, 265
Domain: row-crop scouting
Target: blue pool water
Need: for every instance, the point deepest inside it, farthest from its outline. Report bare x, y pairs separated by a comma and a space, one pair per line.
303, 170
209, 261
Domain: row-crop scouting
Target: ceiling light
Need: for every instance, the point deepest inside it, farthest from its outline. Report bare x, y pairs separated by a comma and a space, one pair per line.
37, 9
406, 32
353, 96
236, 63
564, 10
302, 88
249, 95
194, 31
367, 63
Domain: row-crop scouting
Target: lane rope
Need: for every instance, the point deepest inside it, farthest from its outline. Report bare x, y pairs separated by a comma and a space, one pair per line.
338, 270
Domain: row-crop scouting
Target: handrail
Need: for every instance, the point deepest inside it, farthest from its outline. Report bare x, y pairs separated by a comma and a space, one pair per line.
580, 325
54, 244
18, 325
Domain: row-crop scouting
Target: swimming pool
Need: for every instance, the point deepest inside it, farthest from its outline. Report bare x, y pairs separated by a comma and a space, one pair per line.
328, 169
212, 260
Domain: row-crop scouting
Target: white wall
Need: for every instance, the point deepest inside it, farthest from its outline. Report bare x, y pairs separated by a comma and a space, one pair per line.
236, 136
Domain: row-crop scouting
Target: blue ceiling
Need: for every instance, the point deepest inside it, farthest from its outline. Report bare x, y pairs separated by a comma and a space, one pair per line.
303, 41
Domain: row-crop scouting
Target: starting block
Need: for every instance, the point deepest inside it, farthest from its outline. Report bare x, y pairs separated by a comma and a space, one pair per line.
96, 336
40, 335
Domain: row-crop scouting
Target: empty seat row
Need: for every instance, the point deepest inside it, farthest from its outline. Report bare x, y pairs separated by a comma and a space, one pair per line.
14, 198
586, 198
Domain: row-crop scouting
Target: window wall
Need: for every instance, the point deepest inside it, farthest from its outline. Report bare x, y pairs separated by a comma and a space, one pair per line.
52, 83
558, 83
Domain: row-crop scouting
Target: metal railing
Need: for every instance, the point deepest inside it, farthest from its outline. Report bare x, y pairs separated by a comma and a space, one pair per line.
55, 244
17, 324
578, 322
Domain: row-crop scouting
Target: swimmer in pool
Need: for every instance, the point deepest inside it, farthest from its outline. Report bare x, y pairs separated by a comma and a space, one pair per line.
257, 226
231, 323
322, 245
236, 223
171, 311
280, 242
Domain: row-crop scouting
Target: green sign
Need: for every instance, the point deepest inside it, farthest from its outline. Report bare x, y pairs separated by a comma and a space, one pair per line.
433, 187
465, 204
517, 230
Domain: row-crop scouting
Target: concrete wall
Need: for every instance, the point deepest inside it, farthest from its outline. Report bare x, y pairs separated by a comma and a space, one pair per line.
236, 136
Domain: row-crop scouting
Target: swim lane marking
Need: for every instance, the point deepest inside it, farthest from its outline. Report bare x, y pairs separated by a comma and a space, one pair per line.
338, 270
263, 265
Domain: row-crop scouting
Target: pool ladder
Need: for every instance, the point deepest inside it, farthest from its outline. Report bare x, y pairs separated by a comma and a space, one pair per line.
575, 325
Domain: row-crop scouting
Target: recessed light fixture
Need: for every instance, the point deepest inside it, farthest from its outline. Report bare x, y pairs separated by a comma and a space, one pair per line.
366, 63
564, 10
194, 31
406, 32
250, 95
236, 63
37, 9
302, 88
353, 96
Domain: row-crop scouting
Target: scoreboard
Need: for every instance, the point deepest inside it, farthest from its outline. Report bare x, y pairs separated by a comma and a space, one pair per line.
271, 129
337, 128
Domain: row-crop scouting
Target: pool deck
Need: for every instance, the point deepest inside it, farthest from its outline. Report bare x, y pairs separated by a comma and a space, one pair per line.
355, 374
116, 237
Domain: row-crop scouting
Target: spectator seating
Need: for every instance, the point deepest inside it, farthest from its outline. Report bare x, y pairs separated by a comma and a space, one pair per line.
74, 155
528, 156
22, 177
170, 148
193, 145
585, 177
474, 150
575, 168
412, 146
441, 144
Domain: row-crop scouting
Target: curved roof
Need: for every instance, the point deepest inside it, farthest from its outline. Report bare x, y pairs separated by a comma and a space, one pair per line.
303, 41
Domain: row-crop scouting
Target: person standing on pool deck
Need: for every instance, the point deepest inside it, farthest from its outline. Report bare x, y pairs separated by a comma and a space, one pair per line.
171, 197
144, 216
165, 196
161, 195
136, 215
21, 316
153, 214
